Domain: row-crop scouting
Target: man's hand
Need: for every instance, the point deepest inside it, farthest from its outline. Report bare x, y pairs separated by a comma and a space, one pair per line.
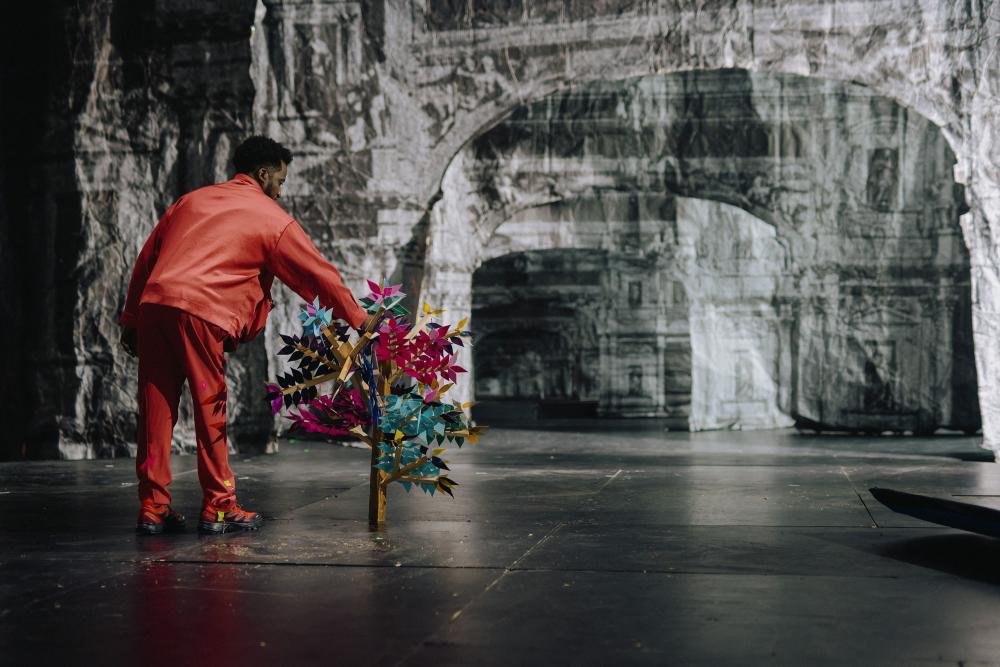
128, 340
367, 323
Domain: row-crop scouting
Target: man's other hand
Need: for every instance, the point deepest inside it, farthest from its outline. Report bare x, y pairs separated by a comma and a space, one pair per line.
128, 340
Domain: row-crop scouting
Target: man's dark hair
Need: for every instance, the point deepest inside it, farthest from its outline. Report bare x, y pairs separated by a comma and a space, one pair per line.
259, 151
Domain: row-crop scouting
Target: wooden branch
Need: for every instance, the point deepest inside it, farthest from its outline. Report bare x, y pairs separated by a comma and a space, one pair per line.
363, 390
371, 324
475, 430
311, 354
418, 326
405, 469
350, 355
363, 436
399, 455
332, 340
308, 383
396, 374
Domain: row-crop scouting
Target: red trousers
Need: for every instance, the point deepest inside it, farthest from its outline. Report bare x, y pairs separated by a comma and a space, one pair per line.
174, 346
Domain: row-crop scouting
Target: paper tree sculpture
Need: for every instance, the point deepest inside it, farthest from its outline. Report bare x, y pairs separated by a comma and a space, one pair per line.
386, 387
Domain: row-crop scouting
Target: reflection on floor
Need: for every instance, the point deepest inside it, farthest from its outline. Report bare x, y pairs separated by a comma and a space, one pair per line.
562, 547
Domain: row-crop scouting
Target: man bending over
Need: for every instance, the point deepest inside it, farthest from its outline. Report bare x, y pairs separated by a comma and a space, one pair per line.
201, 286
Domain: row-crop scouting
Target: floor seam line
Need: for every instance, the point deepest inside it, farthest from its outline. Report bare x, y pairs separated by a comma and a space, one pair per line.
293, 510
375, 566
863, 503
64, 591
608, 481
507, 570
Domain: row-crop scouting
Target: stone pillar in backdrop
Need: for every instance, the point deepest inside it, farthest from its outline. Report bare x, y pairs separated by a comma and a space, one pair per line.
137, 104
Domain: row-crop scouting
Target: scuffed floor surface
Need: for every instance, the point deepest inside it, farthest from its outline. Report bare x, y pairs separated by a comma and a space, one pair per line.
564, 547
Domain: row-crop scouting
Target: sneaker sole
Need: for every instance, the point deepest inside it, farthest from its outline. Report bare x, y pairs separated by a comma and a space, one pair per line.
149, 528
158, 528
218, 528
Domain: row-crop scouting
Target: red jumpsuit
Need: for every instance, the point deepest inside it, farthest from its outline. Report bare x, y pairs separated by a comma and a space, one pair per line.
203, 280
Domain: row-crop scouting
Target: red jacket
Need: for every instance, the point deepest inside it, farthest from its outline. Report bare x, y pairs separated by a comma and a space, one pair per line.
215, 253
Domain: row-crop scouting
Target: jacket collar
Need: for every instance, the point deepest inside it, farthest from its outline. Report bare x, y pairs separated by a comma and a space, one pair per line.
246, 179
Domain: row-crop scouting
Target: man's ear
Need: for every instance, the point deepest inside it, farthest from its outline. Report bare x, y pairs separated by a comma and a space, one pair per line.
262, 174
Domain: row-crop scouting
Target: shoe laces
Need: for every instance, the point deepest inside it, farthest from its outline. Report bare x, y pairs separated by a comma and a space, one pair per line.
239, 512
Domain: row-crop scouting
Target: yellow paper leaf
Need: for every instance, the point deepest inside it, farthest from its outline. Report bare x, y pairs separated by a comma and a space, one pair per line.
429, 311
437, 452
399, 435
461, 323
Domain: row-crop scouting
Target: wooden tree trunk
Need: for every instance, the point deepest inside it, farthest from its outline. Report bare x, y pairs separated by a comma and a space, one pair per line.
376, 494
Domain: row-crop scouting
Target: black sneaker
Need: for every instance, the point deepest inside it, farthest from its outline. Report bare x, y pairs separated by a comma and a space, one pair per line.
216, 522
153, 523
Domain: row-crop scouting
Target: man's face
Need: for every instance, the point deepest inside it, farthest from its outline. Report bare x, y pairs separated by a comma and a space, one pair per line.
272, 179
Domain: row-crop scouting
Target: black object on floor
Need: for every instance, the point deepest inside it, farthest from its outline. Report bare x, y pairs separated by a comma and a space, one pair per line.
964, 516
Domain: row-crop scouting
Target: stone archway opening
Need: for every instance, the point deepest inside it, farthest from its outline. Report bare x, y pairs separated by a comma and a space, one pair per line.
692, 338
538, 349
868, 312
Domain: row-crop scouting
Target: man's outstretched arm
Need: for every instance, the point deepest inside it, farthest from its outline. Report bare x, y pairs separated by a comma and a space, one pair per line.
298, 264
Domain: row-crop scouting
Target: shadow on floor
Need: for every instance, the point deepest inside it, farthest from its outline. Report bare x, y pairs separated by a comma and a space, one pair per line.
963, 555
981, 456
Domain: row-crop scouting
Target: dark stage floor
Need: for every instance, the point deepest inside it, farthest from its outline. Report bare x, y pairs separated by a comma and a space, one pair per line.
562, 548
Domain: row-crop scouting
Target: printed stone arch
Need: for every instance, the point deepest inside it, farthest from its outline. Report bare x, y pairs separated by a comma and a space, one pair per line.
824, 209
470, 80
483, 186
477, 194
